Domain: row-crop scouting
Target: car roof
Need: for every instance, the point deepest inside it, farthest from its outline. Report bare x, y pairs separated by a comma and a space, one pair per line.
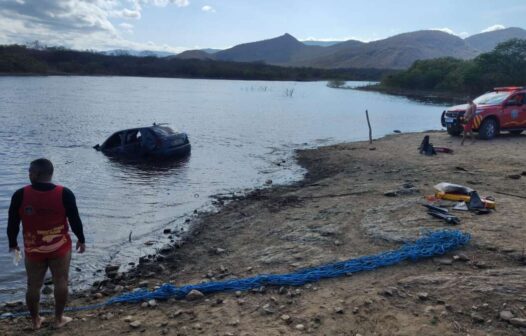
509, 88
141, 128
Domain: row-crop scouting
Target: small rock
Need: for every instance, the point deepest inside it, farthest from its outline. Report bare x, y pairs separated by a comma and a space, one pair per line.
518, 322
338, 310
152, 303
391, 193
111, 269
337, 242
282, 290
135, 324
355, 310
388, 291
238, 293
98, 295
397, 131
514, 177
268, 182
461, 257
506, 315
220, 250
267, 308
47, 290
177, 313
443, 261
476, 317
194, 295
423, 296
107, 316
167, 231
144, 305
372, 148
128, 318
285, 317
299, 327
144, 284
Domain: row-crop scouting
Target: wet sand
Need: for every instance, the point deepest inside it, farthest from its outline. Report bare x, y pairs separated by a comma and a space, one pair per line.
340, 211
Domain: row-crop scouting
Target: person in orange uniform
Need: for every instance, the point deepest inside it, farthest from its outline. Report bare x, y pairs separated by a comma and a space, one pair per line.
469, 116
46, 211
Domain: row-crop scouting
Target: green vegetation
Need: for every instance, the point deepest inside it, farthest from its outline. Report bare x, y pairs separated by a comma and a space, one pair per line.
16, 59
504, 66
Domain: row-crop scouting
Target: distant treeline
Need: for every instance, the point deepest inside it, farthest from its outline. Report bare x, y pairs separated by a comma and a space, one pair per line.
504, 66
17, 59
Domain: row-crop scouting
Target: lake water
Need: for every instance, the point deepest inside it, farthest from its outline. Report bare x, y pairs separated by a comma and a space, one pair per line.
239, 131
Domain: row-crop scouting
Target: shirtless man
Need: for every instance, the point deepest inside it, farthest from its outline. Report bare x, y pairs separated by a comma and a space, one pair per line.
45, 210
469, 116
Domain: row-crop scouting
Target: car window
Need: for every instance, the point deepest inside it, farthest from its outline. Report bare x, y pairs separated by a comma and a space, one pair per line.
113, 141
492, 98
163, 131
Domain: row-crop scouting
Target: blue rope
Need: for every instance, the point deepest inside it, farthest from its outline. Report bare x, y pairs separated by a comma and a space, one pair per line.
433, 244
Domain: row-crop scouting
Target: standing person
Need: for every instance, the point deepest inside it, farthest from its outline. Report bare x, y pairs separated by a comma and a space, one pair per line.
469, 116
45, 210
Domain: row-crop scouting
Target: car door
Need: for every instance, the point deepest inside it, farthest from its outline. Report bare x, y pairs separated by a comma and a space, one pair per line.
513, 112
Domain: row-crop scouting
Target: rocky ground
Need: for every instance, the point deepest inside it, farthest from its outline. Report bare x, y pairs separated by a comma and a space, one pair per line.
355, 200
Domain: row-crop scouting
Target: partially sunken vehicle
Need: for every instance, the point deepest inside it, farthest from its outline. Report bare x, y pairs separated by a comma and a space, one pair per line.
157, 141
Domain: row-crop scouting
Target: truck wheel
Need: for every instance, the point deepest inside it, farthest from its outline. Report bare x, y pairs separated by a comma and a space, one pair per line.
454, 131
489, 129
517, 132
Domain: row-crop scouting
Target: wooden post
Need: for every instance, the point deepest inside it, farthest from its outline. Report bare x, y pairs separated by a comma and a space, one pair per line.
369, 124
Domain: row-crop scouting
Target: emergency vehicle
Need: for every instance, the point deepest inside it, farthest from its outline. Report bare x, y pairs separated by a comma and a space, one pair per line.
503, 109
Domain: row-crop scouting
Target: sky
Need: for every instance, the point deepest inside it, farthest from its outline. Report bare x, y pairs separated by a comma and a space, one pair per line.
178, 25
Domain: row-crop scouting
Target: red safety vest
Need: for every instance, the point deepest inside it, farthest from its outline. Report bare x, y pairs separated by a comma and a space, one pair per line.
45, 225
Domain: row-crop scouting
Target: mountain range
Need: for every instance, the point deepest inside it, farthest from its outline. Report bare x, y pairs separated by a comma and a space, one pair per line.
395, 52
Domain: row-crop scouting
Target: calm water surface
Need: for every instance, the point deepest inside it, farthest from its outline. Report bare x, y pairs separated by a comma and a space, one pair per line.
239, 130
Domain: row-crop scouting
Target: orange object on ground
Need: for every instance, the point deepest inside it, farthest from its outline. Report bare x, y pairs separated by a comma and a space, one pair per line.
463, 198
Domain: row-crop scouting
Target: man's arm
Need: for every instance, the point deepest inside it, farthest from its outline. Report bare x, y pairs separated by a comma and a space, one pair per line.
13, 220
70, 204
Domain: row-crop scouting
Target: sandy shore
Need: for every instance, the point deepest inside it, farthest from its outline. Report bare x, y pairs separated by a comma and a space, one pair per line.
339, 211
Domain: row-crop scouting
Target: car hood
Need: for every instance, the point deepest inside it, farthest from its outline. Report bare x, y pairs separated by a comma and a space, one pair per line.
462, 107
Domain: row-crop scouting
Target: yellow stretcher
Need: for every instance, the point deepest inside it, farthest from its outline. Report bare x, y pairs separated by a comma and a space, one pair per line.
488, 204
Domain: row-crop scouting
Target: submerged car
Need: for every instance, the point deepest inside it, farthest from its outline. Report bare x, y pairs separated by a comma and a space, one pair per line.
157, 141
503, 109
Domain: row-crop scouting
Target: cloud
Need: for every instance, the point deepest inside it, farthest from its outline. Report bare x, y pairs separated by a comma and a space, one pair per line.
129, 13
163, 3
77, 24
450, 31
207, 8
493, 28
128, 28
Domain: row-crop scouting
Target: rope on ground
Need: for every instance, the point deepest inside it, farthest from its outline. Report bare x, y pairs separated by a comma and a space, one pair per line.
432, 244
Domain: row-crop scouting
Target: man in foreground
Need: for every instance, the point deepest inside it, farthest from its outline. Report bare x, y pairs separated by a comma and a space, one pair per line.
45, 210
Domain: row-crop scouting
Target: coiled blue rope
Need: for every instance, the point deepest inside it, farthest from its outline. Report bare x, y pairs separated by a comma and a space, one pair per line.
433, 244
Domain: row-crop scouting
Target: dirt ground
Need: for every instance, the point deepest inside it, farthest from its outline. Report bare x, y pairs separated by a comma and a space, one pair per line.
340, 211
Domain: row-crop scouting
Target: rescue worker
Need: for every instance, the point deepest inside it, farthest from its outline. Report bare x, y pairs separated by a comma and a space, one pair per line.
469, 116
45, 210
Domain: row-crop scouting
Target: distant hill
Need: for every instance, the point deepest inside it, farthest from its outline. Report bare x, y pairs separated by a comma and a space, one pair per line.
396, 52
488, 41
195, 54
210, 50
280, 50
137, 53
321, 43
